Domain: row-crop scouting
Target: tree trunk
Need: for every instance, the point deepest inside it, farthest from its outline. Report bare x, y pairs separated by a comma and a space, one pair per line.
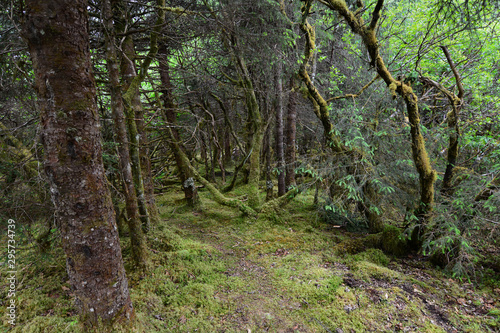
212, 149
138, 241
335, 143
133, 107
291, 132
146, 165
204, 153
367, 31
227, 146
57, 36
280, 157
128, 72
267, 166
456, 104
169, 110
256, 130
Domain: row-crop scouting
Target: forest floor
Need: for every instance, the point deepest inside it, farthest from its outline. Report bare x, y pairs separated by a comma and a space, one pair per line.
216, 271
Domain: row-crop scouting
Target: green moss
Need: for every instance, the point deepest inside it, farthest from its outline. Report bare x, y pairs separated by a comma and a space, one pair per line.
356, 245
393, 242
365, 270
220, 271
254, 197
50, 324
375, 256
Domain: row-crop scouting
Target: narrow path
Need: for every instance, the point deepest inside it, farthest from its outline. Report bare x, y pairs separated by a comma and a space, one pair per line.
255, 300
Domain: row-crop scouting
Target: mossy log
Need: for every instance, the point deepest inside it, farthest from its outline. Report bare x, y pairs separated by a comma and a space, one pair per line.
391, 240
218, 196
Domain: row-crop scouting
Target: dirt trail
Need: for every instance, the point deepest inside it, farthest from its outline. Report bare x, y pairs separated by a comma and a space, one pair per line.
255, 303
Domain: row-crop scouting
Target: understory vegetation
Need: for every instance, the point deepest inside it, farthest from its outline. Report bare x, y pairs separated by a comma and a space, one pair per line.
218, 271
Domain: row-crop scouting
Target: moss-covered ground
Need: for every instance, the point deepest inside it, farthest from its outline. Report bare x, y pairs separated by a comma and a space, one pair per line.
215, 270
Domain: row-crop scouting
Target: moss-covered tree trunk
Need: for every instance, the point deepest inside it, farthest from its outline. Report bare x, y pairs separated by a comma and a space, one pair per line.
367, 31
452, 118
138, 241
57, 36
280, 154
320, 107
131, 80
256, 126
169, 111
291, 134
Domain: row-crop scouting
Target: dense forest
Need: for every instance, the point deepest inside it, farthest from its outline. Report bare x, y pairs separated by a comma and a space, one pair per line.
248, 166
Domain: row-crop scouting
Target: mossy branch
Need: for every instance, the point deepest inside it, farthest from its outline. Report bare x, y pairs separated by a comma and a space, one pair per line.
376, 14
283, 11
355, 95
319, 103
277, 204
238, 83
426, 172
218, 196
179, 10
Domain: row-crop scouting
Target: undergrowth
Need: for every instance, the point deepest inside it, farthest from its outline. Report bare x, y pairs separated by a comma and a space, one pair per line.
215, 270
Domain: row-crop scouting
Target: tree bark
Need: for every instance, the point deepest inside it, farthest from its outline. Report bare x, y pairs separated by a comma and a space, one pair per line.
138, 241
57, 36
267, 165
133, 107
128, 73
169, 110
227, 145
256, 128
456, 104
280, 156
291, 133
